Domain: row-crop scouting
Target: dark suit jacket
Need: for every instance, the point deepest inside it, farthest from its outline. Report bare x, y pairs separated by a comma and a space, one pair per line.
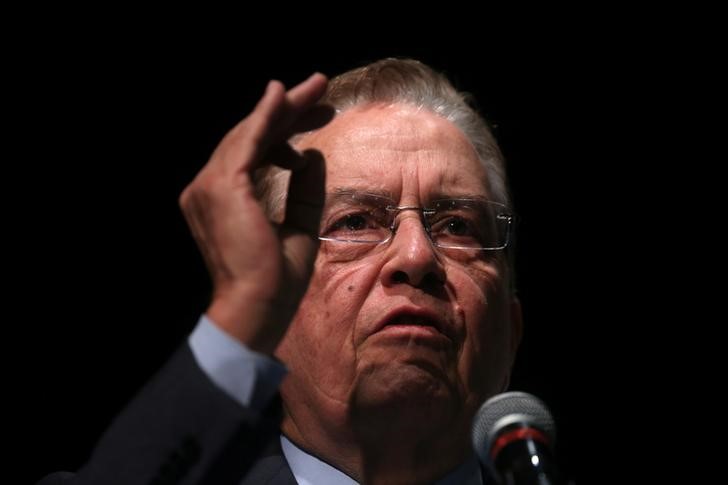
182, 429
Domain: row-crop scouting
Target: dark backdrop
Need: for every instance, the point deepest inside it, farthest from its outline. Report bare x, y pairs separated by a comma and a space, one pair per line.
106, 281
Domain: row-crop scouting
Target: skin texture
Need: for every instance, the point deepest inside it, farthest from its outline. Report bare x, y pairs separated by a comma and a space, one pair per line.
352, 382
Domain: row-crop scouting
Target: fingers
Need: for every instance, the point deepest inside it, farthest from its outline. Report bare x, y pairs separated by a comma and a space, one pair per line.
242, 147
299, 112
308, 92
275, 118
314, 118
283, 154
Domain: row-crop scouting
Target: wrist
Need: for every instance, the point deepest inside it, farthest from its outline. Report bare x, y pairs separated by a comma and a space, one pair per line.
256, 322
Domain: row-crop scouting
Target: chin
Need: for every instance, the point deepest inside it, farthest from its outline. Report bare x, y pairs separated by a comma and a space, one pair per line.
399, 392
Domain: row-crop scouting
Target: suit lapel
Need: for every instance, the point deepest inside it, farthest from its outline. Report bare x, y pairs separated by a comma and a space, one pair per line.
271, 468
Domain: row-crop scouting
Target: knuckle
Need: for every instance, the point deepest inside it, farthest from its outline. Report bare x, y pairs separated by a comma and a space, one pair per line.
183, 199
194, 192
206, 188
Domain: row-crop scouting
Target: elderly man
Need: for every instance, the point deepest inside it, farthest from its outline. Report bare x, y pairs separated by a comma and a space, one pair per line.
356, 233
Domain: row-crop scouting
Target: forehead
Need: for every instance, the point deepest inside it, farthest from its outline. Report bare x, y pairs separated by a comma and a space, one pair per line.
391, 147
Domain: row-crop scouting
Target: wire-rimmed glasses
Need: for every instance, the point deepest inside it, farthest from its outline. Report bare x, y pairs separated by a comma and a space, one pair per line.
456, 223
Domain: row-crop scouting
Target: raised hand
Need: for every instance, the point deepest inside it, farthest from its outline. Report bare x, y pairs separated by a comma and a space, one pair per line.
260, 270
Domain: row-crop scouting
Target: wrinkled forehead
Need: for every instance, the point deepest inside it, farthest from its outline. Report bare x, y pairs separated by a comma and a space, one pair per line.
380, 146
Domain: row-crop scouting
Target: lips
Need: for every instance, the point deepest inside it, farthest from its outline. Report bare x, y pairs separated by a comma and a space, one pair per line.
417, 317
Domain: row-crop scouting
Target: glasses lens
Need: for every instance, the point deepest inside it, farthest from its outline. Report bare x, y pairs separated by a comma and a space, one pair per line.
355, 217
469, 224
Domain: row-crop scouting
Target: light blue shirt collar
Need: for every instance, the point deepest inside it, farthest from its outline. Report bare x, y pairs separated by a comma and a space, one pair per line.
309, 470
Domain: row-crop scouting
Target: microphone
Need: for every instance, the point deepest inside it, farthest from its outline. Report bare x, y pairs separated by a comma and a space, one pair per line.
513, 435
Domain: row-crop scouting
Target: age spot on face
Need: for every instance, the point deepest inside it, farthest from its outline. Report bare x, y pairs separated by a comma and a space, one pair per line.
350, 288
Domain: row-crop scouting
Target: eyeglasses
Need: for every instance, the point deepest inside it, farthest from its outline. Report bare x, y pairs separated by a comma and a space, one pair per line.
361, 218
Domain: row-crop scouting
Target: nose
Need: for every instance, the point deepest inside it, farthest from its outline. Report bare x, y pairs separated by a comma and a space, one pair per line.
411, 257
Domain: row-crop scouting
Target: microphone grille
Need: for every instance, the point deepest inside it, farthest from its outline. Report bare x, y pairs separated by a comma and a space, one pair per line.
504, 409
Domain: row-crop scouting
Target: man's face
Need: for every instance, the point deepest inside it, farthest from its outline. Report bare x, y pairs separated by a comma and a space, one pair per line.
403, 323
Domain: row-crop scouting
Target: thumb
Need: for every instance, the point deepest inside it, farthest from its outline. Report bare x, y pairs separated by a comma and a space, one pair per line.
306, 195
300, 228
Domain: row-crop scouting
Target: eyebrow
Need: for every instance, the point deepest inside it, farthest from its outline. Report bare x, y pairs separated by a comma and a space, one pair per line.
390, 195
363, 190
441, 196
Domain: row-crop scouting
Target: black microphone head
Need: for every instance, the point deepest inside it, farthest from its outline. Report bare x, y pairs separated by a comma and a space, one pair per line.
504, 410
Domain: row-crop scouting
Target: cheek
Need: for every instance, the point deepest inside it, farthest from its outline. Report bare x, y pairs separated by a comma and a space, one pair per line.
485, 360
318, 347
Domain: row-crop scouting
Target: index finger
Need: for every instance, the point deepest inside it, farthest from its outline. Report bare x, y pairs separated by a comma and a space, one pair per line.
243, 149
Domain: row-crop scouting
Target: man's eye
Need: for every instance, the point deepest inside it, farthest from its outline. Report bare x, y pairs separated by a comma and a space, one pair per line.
458, 227
454, 226
353, 222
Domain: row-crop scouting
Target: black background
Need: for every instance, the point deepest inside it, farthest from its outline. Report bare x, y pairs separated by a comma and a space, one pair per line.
106, 282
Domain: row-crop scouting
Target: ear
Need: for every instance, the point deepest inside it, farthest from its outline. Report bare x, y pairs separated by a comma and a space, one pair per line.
516, 326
